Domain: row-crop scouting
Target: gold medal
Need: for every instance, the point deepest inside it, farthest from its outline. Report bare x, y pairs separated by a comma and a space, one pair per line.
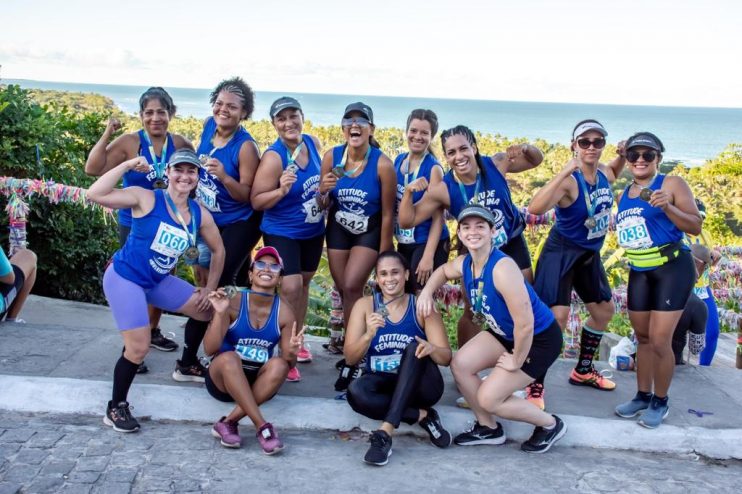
159, 184
191, 253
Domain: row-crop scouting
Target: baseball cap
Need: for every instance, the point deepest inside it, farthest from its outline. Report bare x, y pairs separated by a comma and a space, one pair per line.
268, 251
184, 156
362, 108
588, 125
282, 103
645, 139
477, 211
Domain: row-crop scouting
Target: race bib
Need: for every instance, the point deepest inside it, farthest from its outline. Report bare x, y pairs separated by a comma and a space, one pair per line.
500, 238
404, 235
252, 353
633, 234
352, 222
386, 363
169, 241
701, 292
602, 220
312, 211
207, 197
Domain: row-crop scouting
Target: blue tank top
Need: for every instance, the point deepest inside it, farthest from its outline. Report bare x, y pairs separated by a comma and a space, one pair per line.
385, 351
357, 198
494, 307
570, 221
211, 192
254, 346
420, 233
144, 180
297, 214
494, 194
154, 245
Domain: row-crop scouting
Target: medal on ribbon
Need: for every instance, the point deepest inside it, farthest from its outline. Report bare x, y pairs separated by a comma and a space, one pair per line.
158, 165
191, 253
590, 221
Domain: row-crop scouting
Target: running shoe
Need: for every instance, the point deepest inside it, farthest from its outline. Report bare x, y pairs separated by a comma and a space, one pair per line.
543, 439
294, 376
481, 434
268, 439
380, 450
227, 432
592, 379
162, 343
535, 394
347, 374
142, 368
462, 403
654, 414
191, 373
432, 424
119, 417
633, 407
304, 356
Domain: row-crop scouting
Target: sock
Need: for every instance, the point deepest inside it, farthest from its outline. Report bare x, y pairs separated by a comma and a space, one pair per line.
123, 376
589, 342
661, 401
644, 396
192, 338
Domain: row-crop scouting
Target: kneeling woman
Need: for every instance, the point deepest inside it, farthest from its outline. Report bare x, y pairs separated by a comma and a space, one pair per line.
165, 225
521, 341
243, 335
402, 352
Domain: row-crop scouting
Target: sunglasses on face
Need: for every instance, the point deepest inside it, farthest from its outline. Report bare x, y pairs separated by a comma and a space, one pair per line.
262, 265
585, 143
359, 121
633, 156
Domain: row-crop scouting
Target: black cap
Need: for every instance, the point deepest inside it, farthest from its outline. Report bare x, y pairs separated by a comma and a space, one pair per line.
645, 139
362, 108
477, 211
185, 157
282, 103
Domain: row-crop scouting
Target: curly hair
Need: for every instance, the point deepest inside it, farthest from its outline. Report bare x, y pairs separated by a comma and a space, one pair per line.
239, 88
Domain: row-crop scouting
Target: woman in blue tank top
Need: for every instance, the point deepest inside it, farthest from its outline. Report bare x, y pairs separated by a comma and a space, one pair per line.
402, 352
426, 245
570, 256
654, 213
285, 188
480, 179
230, 156
358, 187
166, 224
156, 145
521, 338
242, 337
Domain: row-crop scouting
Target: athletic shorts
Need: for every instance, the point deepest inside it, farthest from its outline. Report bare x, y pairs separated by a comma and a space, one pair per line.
545, 349
341, 239
414, 253
298, 255
563, 266
9, 291
665, 288
517, 249
239, 240
128, 301
214, 391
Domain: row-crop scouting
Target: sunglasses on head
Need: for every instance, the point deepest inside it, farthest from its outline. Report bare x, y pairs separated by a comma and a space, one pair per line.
262, 265
585, 143
633, 156
359, 121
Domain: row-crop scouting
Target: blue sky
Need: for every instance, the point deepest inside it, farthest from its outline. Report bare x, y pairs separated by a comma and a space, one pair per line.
681, 52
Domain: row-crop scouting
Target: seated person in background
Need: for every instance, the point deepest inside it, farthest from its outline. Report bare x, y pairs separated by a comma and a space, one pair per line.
695, 314
17, 277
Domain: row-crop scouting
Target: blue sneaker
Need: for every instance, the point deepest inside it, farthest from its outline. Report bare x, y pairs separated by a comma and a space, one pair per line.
632, 408
652, 418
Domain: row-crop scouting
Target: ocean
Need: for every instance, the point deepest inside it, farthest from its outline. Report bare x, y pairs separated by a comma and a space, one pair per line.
690, 134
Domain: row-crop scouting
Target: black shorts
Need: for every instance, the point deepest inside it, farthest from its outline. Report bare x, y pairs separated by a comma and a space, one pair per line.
545, 349
250, 374
414, 252
239, 240
665, 288
517, 249
298, 255
341, 239
563, 266
9, 291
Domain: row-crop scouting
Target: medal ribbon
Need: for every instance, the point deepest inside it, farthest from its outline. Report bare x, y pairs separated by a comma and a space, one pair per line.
588, 203
159, 166
345, 159
192, 235
480, 287
407, 174
462, 189
292, 157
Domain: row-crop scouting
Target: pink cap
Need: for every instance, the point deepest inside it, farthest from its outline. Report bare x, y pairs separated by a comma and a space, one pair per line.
268, 251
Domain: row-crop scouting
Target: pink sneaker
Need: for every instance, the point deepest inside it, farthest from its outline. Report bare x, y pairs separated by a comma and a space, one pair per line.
269, 440
304, 355
293, 376
227, 432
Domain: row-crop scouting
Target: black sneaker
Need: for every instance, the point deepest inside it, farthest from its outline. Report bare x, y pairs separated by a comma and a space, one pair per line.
119, 417
433, 426
162, 343
481, 434
142, 369
380, 450
542, 439
189, 373
347, 374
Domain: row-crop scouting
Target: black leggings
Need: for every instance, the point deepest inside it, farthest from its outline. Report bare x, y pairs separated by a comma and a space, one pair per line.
397, 398
239, 240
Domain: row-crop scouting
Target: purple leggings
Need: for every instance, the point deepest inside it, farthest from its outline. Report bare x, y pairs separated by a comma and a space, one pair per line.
128, 301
